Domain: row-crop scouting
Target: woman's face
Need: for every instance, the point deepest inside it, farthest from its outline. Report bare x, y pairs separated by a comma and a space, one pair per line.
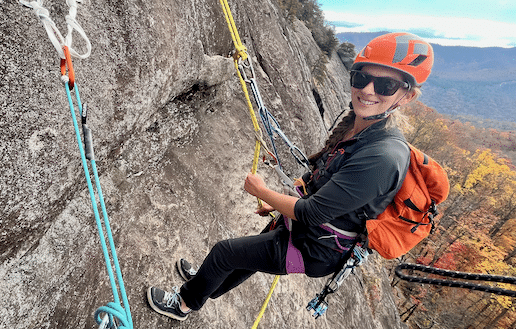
366, 102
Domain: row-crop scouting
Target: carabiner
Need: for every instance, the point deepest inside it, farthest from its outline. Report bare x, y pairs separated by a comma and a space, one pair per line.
300, 157
67, 62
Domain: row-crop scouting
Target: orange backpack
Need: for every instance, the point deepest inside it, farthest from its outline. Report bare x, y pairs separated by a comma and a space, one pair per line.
410, 217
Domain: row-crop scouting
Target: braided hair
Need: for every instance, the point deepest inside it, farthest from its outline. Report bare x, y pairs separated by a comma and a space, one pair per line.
338, 134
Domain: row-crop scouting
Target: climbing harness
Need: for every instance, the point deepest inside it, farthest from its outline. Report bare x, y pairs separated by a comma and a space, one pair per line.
319, 305
115, 316
456, 275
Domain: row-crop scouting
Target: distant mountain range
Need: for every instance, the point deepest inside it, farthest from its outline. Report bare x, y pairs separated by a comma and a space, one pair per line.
465, 81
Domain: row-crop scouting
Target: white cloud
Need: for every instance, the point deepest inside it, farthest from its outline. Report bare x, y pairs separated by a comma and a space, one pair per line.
436, 29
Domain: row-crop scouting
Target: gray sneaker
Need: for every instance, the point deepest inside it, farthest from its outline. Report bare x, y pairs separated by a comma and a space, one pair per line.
185, 269
166, 303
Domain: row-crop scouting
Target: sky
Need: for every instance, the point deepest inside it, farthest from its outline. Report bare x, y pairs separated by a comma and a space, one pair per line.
475, 23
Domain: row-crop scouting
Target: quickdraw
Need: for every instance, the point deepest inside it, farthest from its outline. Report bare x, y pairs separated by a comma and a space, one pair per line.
269, 122
53, 33
272, 127
319, 305
114, 315
456, 275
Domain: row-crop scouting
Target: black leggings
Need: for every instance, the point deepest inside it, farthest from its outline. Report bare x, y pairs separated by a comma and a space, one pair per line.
231, 262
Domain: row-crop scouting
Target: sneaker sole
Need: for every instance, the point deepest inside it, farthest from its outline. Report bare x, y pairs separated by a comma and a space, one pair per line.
160, 311
179, 269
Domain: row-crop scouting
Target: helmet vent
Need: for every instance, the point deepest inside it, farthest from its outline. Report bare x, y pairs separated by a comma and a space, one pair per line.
367, 51
419, 59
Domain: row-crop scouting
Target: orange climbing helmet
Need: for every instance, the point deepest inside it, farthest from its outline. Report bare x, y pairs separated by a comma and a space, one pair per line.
404, 52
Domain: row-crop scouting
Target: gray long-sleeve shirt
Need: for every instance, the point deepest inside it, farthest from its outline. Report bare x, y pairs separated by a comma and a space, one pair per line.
361, 176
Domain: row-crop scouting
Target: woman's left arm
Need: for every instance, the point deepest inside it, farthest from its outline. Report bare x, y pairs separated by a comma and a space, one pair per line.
283, 203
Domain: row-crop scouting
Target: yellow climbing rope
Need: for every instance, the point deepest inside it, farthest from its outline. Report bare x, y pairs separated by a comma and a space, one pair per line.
264, 306
241, 54
241, 50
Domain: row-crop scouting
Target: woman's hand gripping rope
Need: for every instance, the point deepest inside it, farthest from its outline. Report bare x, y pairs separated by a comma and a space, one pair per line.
264, 210
253, 184
283, 203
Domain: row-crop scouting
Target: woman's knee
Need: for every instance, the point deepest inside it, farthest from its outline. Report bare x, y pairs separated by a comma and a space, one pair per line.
221, 251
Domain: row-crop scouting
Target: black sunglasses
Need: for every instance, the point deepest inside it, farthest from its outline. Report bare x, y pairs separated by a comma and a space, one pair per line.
382, 85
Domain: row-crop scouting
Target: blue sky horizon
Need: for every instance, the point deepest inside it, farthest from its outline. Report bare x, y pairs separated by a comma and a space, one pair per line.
473, 23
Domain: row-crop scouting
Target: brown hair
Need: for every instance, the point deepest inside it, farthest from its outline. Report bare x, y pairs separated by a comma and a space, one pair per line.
338, 134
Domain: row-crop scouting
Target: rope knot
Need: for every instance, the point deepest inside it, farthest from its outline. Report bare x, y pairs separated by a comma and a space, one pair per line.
241, 52
65, 79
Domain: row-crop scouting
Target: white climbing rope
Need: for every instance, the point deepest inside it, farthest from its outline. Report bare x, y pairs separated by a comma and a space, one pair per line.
53, 32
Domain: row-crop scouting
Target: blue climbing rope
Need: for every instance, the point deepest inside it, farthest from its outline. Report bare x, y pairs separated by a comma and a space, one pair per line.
113, 309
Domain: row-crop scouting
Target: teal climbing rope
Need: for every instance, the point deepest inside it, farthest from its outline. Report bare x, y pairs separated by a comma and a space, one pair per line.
114, 315
113, 309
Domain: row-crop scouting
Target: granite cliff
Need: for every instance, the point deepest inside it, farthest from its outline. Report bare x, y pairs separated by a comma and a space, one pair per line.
173, 143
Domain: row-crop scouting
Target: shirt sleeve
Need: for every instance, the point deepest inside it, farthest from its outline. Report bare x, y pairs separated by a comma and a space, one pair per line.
372, 171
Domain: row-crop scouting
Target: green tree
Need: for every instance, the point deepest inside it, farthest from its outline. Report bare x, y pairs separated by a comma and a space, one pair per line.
310, 13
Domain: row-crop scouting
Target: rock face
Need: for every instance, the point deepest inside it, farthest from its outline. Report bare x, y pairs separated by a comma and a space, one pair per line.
346, 52
173, 142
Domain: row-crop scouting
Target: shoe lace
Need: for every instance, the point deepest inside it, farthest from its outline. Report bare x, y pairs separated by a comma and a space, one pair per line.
172, 298
192, 271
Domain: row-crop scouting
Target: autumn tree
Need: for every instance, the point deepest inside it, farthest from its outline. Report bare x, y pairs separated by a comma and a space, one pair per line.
477, 230
505, 205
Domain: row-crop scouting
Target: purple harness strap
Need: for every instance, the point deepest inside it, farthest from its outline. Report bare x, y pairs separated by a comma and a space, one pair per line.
294, 261
338, 235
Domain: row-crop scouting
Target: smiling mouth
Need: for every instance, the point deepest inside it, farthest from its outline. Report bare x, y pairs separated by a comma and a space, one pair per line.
363, 101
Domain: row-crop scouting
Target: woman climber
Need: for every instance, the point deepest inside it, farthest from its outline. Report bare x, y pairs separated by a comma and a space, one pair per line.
355, 176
